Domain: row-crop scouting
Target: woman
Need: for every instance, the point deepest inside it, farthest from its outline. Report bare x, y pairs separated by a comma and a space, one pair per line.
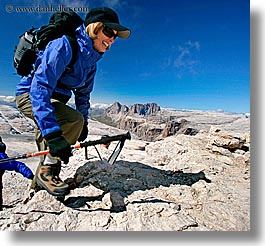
42, 97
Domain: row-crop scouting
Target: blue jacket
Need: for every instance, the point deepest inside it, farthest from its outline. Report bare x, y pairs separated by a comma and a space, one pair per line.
53, 76
16, 166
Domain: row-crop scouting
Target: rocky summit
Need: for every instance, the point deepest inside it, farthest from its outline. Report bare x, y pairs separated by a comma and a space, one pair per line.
181, 180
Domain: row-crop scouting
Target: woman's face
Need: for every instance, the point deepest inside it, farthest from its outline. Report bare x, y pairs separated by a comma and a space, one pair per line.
103, 42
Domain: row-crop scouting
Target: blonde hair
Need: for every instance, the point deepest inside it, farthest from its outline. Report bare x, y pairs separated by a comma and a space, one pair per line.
92, 29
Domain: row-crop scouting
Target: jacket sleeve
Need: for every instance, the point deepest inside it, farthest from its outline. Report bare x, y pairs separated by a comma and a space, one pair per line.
82, 95
16, 166
22, 168
51, 64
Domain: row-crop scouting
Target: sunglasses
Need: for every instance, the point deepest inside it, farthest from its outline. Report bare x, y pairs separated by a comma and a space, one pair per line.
109, 32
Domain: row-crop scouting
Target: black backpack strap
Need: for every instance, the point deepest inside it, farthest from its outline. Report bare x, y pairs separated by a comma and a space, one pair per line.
74, 46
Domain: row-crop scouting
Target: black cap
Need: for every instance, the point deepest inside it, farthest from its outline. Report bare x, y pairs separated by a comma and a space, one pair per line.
108, 17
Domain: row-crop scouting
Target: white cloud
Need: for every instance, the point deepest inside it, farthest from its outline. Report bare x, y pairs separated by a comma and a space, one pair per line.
182, 57
186, 59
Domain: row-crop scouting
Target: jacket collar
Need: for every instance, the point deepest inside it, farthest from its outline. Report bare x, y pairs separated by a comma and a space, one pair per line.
86, 45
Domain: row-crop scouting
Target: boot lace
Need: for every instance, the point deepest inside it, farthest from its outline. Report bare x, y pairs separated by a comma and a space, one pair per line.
56, 179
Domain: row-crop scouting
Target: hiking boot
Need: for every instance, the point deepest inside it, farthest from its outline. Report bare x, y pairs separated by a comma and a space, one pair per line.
48, 178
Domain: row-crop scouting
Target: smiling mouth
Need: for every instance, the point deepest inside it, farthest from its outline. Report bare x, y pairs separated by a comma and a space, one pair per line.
105, 44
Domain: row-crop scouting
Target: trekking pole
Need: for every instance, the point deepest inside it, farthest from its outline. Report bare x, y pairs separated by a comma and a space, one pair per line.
102, 140
106, 140
25, 156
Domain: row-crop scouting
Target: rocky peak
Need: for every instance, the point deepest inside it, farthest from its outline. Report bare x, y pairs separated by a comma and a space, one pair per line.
144, 109
138, 109
115, 108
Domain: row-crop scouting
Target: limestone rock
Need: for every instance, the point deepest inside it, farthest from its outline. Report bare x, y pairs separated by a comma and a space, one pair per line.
184, 182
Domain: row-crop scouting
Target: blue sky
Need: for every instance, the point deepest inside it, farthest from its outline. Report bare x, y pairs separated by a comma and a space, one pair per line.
192, 54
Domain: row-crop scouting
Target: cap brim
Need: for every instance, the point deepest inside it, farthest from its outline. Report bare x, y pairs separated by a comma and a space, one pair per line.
123, 32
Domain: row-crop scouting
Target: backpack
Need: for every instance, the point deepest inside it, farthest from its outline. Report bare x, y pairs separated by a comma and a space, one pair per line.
35, 39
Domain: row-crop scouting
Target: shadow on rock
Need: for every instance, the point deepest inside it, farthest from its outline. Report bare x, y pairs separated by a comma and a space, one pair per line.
123, 178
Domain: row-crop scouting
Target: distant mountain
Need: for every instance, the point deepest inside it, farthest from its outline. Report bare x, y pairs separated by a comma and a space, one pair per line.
150, 122
10, 100
138, 108
7, 100
147, 121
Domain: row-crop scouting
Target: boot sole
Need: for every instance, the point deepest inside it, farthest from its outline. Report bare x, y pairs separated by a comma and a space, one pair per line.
53, 193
